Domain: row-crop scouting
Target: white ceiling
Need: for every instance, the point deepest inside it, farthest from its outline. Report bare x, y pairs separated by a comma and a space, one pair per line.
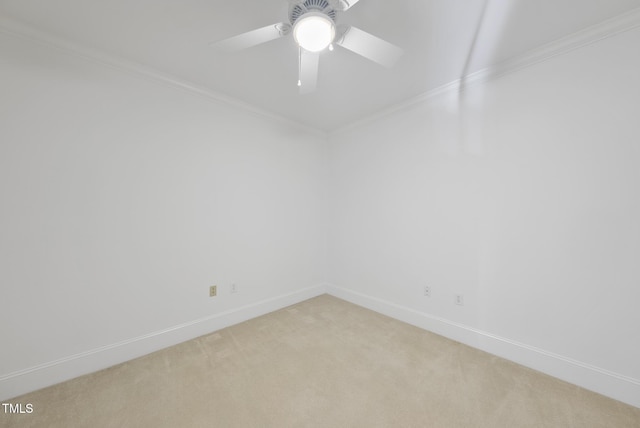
438, 36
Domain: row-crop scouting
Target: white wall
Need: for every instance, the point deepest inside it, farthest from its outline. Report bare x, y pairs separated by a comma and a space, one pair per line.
124, 198
522, 194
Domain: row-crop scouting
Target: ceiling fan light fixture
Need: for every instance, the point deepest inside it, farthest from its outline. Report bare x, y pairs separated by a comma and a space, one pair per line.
314, 31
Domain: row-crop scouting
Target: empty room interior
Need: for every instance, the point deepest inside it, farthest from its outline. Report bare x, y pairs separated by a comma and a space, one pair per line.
321, 213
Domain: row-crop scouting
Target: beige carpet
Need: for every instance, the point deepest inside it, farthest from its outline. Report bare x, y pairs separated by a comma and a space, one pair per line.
321, 363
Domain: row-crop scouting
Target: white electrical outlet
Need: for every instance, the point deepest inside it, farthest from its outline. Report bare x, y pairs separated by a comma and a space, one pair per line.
459, 299
233, 288
427, 291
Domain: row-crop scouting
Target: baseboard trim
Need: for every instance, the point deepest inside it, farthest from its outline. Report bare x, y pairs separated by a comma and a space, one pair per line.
605, 382
614, 385
49, 373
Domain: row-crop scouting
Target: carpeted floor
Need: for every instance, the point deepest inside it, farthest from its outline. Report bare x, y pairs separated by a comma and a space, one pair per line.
321, 363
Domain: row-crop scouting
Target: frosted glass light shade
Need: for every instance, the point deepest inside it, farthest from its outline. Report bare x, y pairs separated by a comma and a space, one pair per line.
314, 32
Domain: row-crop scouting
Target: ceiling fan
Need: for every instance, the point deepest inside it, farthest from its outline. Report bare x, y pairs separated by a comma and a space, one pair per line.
314, 28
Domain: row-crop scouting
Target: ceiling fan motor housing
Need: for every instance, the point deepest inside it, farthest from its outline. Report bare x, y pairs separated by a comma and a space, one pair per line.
319, 6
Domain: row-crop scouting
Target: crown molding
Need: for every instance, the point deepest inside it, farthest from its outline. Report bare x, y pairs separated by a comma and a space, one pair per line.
15, 29
590, 35
611, 27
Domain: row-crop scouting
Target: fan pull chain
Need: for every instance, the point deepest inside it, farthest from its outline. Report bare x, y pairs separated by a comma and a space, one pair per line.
299, 65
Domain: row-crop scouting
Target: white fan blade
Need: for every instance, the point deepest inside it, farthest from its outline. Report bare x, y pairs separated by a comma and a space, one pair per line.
253, 38
370, 47
309, 62
346, 4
